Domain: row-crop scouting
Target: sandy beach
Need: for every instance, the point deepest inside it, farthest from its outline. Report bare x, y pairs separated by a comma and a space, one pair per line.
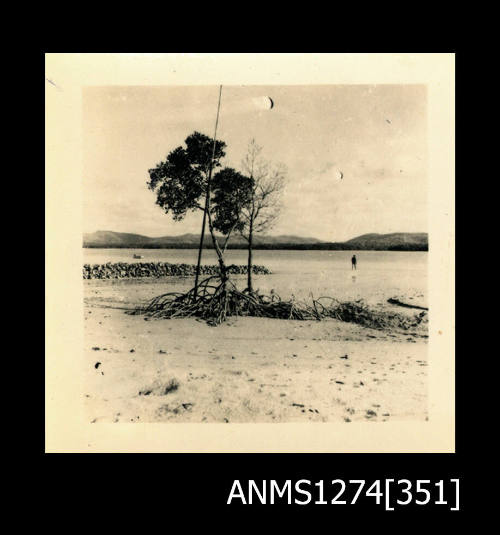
138, 369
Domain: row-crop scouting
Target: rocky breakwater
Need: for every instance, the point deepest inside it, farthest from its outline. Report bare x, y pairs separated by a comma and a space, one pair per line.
123, 270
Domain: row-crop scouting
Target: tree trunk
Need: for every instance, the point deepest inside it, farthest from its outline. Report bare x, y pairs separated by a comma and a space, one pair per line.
249, 274
198, 264
220, 254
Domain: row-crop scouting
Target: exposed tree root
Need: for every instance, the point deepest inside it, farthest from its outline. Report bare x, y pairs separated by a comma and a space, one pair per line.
215, 301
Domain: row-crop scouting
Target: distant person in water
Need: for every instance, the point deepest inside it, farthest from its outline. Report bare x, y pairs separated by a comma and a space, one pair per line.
353, 261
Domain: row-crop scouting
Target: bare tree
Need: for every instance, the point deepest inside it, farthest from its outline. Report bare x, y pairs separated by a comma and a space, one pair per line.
263, 208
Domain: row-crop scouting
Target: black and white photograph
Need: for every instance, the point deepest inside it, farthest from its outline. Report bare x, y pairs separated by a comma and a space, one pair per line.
258, 253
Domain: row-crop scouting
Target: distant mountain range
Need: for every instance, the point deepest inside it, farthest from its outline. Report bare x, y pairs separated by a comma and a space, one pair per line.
387, 241
397, 241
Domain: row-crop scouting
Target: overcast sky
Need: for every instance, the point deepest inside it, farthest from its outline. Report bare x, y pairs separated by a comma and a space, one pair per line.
374, 134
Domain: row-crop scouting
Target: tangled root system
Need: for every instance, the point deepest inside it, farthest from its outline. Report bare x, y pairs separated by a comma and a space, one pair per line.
214, 301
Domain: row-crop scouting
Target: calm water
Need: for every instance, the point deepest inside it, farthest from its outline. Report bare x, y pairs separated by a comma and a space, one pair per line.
380, 274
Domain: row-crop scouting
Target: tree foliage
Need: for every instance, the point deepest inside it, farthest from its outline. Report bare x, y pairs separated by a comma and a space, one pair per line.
182, 179
232, 192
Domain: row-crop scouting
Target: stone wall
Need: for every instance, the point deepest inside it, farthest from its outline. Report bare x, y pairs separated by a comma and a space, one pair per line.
124, 270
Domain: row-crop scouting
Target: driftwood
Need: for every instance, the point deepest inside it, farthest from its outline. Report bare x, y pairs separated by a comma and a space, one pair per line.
394, 301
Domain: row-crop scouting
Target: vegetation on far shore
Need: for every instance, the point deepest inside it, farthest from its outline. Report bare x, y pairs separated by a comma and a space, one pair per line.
270, 247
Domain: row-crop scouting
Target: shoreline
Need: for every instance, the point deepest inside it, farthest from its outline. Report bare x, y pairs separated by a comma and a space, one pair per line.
246, 370
392, 314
